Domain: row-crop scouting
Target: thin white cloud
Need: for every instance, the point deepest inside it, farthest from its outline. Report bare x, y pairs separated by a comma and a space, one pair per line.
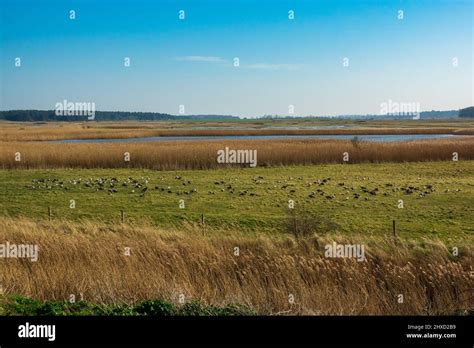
208, 59
268, 66
259, 66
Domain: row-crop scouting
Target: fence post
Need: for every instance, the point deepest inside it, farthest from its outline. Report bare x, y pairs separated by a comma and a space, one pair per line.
295, 225
202, 223
49, 213
122, 216
394, 229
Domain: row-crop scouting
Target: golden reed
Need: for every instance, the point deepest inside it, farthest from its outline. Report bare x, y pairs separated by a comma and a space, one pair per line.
90, 258
174, 155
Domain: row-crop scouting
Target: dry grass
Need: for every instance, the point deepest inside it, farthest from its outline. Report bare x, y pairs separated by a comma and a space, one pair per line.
108, 130
88, 258
171, 155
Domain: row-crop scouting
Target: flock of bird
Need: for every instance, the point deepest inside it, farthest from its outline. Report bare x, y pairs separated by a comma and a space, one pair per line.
291, 186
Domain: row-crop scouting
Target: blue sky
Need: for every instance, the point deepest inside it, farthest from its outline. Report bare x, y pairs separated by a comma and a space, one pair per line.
283, 62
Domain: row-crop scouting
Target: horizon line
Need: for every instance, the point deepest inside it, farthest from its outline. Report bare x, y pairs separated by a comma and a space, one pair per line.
244, 117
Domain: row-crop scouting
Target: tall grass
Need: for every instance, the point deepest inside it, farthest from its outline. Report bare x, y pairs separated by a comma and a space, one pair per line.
88, 258
172, 155
106, 130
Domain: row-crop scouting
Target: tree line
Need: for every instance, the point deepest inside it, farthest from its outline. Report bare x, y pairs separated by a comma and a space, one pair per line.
50, 115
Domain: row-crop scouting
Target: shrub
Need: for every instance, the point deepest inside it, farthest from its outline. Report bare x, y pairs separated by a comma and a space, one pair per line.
154, 307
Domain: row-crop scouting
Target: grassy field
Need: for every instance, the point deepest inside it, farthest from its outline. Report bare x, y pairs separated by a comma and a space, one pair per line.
269, 274
184, 214
350, 199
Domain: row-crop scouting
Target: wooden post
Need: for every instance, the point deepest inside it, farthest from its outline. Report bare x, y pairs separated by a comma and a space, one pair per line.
49, 213
122, 216
394, 229
295, 224
202, 223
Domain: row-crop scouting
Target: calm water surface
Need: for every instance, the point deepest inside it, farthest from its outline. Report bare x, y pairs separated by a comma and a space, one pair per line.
378, 138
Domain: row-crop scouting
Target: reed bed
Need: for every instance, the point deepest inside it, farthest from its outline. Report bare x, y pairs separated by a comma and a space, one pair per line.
15, 132
89, 259
175, 155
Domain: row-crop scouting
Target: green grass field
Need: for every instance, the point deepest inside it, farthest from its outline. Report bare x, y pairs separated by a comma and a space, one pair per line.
438, 197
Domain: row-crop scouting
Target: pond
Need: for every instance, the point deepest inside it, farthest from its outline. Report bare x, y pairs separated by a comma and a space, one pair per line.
377, 137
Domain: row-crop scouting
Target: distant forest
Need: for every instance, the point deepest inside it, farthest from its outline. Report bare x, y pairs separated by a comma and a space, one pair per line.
467, 112
49, 115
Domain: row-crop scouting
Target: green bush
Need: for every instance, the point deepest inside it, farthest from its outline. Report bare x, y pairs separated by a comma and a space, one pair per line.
19, 305
154, 307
